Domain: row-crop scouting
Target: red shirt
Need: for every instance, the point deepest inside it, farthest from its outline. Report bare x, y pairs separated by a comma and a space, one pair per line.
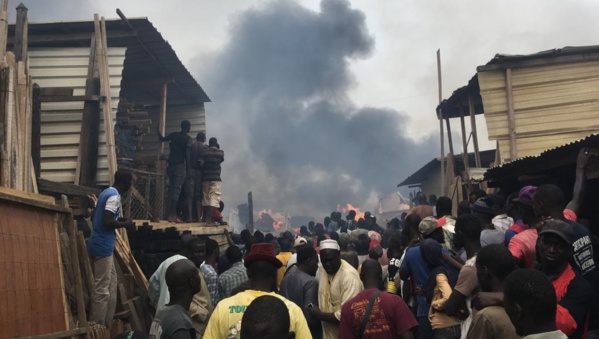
390, 316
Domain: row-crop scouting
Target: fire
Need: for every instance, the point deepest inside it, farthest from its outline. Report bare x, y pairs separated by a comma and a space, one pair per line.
276, 225
350, 207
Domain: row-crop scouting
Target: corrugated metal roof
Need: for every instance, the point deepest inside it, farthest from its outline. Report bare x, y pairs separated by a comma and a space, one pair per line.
552, 56
139, 65
450, 107
61, 121
565, 153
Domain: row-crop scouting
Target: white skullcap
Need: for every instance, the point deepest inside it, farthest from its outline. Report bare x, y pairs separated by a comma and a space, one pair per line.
329, 245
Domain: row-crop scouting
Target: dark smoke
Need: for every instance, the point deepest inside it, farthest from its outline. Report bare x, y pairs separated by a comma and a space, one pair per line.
282, 113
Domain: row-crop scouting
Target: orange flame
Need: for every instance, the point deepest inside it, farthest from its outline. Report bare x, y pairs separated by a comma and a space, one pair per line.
276, 225
350, 207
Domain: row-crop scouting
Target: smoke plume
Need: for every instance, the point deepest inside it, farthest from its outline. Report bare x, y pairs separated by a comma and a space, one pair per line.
282, 114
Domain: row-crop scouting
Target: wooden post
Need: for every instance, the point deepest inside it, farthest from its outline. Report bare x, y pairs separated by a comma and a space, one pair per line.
511, 117
4, 129
440, 116
465, 157
449, 137
474, 132
160, 164
87, 159
21, 30
3, 28
250, 225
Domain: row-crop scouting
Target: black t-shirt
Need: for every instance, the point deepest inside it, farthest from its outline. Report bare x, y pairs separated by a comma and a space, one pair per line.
179, 141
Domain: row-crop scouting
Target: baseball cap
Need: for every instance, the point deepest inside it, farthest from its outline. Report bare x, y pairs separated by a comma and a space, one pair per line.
428, 225
525, 195
559, 228
300, 241
484, 205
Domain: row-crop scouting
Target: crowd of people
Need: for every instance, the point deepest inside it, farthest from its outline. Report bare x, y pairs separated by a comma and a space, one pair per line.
507, 265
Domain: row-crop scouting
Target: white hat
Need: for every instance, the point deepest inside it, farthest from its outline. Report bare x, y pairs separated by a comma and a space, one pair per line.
300, 241
329, 245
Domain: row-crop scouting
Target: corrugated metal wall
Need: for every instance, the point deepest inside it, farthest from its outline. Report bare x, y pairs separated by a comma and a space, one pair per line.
553, 105
195, 114
61, 121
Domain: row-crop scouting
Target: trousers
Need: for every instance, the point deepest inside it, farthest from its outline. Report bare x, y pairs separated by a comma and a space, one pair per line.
103, 299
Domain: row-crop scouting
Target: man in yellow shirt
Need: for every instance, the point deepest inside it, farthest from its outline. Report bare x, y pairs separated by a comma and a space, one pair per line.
284, 258
338, 282
262, 266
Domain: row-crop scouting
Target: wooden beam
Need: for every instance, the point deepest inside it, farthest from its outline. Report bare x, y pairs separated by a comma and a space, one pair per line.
93, 97
449, 137
3, 28
465, 150
56, 91
5, 167
511, 117
474, 132
160, 164
59, 335
66, 188
36, 129
20, 46
87, 158
21, 199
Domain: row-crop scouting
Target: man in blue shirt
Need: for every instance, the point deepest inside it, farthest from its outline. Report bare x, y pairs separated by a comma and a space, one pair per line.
105, 220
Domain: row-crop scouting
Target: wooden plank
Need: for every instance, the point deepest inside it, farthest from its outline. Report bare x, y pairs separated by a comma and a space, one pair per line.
31, 202
4, 123
20, 44
511, 114
59, 335
465, 158
70, 227
11, 127
57, 91
3, 28
474, 132
36, 123
66, 188
27, 195
71, 98
21, 99
86, 268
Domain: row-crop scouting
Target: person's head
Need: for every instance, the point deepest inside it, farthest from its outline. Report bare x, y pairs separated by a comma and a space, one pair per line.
443, 206
475, 195
330, 257
493, 264
212, 142
344, 241
221, 206
304, 231
122, 180
319, 229
182, 279
554, 247
259, 237
307, 259
185, 126
429, 228
362, 223
421, 197
342, 225
432, 199
233, 254
212, 250
351, 215
431, 252
371, 273
412, 222
524, 202
262, 265
193, 249
311, 225
548, 201
464, 207
269, 237
483, 209
334, 236
299, 241
266, 317
363, 244
376, 252
285, 244
395, 243
498, 203
530, 301
201, 137
319, 239
511, 206
245, 234
403, 216
395, 224
467, 229
327, 221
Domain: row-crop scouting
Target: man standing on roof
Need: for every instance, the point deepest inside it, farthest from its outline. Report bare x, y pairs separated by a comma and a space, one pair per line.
179, 142
105, 221
212, 157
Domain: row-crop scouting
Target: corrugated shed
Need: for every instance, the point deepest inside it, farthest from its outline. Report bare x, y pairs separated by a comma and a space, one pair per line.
553, 104
61, 121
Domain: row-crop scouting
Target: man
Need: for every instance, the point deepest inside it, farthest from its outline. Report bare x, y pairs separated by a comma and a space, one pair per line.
362, 248
514, 209
475, 195
262, 265
351, 220
443, 209
105, 220
493, 264
195, 175
338, 282
531, 304
389, 318
484, 210
212, 158
208, 269
192, 249
283, 256
267, 317
301, 286
173, 320
179, 142
393, 227
523, 244
467, 236
414, 267
395, 253
574, 293
347, 254
234, 276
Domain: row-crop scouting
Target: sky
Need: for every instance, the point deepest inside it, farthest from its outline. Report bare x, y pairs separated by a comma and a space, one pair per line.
319, 103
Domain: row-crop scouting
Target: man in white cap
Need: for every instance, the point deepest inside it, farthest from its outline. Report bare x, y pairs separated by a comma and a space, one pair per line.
338, 282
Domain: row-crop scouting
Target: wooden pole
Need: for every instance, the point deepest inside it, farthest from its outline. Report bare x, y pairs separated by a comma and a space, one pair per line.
511, 117
250, 225
4, 129
36, 122
160, 164
3, 28
440, 85
474, 132
20, 45
465, 157
449, 137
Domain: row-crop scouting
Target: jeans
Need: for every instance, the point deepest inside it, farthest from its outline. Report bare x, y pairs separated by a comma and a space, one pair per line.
103, 300
451, 332
425, 331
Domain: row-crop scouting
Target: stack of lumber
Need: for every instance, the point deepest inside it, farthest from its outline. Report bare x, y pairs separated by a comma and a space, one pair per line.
131, 126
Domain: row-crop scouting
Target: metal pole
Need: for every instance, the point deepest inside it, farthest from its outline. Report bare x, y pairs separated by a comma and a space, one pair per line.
250, 225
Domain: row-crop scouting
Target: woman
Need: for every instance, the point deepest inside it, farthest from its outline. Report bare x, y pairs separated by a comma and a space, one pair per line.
438, 289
